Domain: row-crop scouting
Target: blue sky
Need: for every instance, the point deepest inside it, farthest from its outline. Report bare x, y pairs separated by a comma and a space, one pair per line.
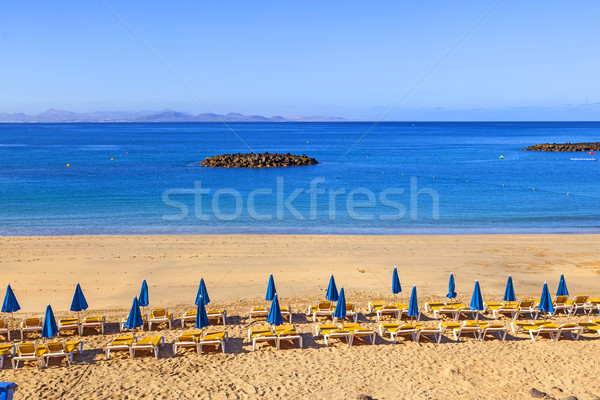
537, 60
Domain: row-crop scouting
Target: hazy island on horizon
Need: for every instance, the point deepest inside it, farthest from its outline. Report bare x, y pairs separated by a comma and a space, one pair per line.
58, 116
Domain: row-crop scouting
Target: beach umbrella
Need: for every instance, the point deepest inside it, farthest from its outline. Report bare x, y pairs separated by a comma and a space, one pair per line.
271, 291
202, 293
509, 292
476, 300
545, 301
201, 316
451, 293
413, 307
396, 288
562, 287
134, 319
78, 303
143, 297
340, 307
274, 317
332, 293
10, 304
49, 329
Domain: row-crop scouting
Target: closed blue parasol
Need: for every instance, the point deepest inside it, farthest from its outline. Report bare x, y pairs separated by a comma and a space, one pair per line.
10, 304
509, 292
340, 307
274, 317
332, 293
49, 329
201, 316
396, 288
545, 301
451, 293
134, 319
202, 293
143, 299
271, 291
476, 300
413, 307
79, 303
562, 287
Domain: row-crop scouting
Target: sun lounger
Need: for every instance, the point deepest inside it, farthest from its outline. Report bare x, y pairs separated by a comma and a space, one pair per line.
491, 328
387, 309
148, 343
504, 308
336, 333
186, 339
403, 309
573, 329
287, 333
27, 351
358, 332
261, 334
56, 349
217, 338
429, 305
124, 321
160, 315
452, 310
591, 326
517, 326
324, 328
427, 331
68, 324
547, 328
119, 343
579, 303
322, 309
395, 330
5, 351
258, 312
4, 329
31, 325
594, 303
219, 315
473, 327
560, 304
94, 321
375, 305
526, 306
188, 316
351, 314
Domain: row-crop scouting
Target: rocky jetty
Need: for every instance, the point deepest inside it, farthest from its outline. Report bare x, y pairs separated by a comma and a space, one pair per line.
254, 160
594, 146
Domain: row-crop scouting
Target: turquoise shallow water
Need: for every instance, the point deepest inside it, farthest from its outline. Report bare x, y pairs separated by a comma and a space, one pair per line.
401, 178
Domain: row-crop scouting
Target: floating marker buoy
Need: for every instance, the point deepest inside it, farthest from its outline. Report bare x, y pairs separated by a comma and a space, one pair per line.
307, 141
501, 157
467, 180
126, 152
112, 159
532, 188
68, 165
567, 194
503, 185
591, 152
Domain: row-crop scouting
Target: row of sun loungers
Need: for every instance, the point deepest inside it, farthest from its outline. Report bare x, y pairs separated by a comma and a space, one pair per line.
345, 332
41, 353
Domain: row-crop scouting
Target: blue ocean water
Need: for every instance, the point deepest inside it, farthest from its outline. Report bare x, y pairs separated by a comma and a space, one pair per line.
400, 178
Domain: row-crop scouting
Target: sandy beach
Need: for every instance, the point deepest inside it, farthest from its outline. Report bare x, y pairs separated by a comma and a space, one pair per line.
236, 268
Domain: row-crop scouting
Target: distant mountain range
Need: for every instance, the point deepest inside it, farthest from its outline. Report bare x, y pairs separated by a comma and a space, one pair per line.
152, 116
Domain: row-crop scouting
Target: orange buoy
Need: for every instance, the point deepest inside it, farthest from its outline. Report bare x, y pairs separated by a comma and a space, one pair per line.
591, 152
68, 165
112, 159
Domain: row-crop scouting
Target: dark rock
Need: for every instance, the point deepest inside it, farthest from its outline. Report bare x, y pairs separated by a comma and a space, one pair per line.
592, 146
570, 398
364, 397
252, 160
537, 394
